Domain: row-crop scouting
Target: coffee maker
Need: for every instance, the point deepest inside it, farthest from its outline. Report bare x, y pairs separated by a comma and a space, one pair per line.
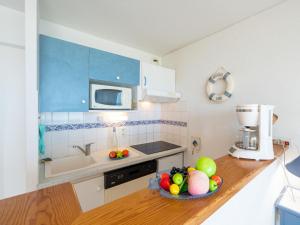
255, 139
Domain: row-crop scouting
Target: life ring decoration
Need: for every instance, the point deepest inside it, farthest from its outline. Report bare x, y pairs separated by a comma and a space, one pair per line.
221, 74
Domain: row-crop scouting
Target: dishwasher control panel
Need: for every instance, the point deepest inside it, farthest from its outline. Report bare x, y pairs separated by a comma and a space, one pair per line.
125, 174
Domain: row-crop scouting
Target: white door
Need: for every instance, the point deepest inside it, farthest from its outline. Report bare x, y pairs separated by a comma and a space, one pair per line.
90, 193
158, 78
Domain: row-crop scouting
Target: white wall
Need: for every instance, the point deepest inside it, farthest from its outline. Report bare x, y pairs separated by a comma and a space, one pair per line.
68, 34
263, 55
12, 27
12, 112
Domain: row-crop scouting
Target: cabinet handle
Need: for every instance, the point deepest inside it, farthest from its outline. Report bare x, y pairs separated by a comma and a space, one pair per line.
98, 188
145, 81
83, 101
118, 78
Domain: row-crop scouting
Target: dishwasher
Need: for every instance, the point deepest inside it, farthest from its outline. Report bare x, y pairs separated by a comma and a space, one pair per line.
121, 182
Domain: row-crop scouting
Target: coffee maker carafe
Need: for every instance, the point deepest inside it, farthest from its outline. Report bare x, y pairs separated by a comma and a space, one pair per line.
248, 138
255, 139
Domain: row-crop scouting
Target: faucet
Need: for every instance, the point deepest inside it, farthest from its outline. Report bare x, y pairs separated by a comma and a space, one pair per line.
86, 151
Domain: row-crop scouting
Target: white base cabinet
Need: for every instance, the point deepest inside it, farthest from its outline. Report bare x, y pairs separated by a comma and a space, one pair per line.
90, 193
166, 163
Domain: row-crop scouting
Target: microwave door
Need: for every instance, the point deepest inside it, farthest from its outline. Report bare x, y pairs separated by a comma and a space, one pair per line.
108, 97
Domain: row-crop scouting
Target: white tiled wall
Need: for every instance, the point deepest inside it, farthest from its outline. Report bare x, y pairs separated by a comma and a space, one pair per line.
60, 143
176, 112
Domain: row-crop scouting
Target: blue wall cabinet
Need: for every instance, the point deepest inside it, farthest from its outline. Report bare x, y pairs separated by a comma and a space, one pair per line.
105, 66
63, 81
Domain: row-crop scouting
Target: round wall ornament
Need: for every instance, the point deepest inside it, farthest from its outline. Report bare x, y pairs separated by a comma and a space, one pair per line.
220, 74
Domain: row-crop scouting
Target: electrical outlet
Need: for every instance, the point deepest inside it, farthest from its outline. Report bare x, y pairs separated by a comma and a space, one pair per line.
195, 144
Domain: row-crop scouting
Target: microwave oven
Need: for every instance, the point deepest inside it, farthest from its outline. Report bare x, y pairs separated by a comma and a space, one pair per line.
110, 97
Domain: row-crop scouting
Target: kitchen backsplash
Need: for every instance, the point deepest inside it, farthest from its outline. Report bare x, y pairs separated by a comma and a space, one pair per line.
152, 122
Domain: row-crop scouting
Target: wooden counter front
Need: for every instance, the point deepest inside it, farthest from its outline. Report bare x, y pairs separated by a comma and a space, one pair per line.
58, 205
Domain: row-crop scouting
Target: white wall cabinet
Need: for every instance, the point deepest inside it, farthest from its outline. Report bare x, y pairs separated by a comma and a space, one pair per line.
90, 193
158, 78
166, 163
158, 84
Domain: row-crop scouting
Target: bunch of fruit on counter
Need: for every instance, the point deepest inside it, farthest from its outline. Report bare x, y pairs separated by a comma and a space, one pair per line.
119, 154
197, 180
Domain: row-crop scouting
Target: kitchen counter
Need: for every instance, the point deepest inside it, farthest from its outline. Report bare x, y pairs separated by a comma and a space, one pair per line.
58, 204
99, 168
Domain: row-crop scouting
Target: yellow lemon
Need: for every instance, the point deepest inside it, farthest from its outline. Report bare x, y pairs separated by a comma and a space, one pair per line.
190, 169
174, 189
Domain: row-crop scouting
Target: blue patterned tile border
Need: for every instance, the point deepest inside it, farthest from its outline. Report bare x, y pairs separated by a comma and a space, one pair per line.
77, 126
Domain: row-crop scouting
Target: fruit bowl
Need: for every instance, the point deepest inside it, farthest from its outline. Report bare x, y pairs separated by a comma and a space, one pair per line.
154, 185
118, 155
124, 157
188, 182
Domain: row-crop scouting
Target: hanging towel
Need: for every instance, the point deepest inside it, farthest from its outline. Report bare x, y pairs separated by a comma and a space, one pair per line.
42, 147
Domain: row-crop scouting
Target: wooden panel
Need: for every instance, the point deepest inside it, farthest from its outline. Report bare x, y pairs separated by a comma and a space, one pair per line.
64, 84
148, 207
56, 205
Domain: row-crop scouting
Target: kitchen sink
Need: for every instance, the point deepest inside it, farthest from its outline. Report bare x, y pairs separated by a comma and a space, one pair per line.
69, 164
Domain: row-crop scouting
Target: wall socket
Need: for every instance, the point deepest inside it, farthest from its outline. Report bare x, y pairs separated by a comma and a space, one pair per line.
195, 144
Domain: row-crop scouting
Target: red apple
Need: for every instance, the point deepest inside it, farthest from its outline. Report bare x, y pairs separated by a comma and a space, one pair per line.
164, 176
165, 184
112, 154
217, 179
125, 152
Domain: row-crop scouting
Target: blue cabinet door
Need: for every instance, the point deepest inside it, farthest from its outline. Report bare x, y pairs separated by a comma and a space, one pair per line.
105, 66
63, 76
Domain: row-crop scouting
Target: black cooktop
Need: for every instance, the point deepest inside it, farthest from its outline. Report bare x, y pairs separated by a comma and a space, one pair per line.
154, 147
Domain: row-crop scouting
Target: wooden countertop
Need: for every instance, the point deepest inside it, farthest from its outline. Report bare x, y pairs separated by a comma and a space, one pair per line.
58, 205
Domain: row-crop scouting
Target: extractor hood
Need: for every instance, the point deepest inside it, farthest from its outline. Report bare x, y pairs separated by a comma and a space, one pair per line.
159, 96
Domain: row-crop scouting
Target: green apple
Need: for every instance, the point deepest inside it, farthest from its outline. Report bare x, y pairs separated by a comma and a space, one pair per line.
213, 185
207, 166
177, 178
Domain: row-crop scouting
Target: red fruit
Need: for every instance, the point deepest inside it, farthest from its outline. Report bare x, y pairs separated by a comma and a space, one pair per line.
125, 152
164, 176
112, 154
217, 179
165, 184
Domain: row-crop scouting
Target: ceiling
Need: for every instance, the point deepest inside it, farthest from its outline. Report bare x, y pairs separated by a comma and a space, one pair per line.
155, 26
15, 4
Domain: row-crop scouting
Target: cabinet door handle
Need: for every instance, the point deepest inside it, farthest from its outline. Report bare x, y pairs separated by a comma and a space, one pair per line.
83, 101
98, 188
118, 78
145, 81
